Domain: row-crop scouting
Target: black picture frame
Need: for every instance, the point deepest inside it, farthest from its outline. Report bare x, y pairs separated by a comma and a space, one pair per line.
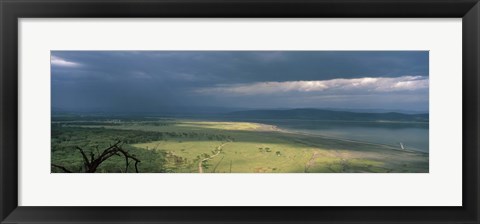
12, 10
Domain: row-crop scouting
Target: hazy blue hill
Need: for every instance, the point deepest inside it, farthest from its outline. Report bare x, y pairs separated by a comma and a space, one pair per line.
321, 114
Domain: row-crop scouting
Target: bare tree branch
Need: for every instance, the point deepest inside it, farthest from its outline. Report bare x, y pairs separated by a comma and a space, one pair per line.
86, 162
92, 164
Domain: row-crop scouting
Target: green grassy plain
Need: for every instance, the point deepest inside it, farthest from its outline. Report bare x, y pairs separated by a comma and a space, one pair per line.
190, 146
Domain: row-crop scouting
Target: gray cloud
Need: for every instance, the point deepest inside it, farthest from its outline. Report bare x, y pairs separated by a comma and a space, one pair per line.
57, 61
156, 80
332, 86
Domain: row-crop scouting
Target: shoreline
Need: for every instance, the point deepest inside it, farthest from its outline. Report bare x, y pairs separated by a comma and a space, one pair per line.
275, 128
336, 121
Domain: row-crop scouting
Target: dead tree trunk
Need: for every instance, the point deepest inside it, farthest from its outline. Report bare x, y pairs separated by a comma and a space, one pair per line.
91, 164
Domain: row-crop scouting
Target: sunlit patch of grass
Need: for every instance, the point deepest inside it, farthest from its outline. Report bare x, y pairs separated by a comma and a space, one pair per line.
237, 157
220, 125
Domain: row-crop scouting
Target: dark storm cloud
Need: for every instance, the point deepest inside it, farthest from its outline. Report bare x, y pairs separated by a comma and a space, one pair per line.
151, 81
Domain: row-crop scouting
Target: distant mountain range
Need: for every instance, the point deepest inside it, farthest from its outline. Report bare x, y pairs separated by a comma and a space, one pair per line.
332, 115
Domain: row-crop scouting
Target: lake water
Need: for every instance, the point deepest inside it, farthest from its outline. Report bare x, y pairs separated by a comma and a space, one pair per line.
414, 136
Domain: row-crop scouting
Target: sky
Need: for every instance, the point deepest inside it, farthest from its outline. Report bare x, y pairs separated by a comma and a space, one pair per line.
196, 81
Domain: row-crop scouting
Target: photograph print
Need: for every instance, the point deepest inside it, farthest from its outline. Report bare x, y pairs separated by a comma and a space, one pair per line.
239, 111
